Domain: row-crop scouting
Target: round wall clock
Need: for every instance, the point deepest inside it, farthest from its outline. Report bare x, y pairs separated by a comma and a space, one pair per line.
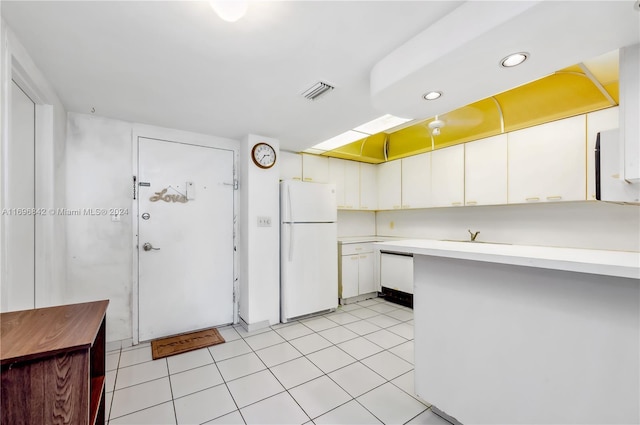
263, 155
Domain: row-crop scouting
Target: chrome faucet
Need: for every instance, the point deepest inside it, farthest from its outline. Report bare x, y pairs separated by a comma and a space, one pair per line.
473, 235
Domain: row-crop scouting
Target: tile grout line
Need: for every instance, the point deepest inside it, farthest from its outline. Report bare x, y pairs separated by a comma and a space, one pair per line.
335, 325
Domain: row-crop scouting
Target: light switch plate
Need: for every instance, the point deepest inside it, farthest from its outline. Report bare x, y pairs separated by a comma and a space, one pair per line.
264, 221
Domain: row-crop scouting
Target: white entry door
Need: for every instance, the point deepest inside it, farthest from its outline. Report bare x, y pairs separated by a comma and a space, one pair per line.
185, 237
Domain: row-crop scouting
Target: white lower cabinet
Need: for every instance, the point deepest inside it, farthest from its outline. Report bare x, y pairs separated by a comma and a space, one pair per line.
355, 269
547, 162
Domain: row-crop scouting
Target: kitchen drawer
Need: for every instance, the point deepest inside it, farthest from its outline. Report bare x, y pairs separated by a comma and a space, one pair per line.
356, 248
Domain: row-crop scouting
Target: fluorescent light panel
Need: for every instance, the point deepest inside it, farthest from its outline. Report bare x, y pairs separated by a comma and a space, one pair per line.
382, 123
340, 140
375, 126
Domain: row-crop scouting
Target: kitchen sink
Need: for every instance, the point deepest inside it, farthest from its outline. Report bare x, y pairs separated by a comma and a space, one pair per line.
468, 241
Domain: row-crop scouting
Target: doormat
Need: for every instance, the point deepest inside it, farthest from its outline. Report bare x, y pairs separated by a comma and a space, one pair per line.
178, 344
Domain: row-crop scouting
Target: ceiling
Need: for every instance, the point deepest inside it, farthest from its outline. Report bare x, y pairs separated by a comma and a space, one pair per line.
176, 64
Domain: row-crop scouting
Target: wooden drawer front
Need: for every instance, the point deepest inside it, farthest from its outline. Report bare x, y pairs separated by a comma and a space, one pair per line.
356, 248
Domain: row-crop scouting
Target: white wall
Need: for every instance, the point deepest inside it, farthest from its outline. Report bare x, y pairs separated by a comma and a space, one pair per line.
259, 246
100, 252
592, 225
15, 63
356, 223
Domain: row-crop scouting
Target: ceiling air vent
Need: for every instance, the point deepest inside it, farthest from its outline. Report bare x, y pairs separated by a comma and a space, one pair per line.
317, 90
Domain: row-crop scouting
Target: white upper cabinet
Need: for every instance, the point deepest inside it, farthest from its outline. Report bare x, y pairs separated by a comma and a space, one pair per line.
315, 168
290, 165
346, 176
351, 185
368, 186
417, 181
546, 163
336, 175
485, 171
447, 177
389, 185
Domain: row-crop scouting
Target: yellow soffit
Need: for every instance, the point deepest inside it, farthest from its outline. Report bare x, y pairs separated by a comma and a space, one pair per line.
575, 90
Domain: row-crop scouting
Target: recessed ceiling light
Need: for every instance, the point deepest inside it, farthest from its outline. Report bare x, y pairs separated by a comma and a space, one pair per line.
514, 59
432, 95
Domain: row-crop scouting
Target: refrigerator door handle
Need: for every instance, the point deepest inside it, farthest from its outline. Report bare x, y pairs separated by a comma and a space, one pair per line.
291, 242
289, 204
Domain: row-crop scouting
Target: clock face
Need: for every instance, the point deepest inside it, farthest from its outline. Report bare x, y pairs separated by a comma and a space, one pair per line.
263, 155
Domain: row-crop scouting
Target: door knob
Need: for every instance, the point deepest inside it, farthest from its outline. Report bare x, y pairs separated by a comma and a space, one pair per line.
148, 247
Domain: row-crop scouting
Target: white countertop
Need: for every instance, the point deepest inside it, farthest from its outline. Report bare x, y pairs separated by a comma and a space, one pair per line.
364, 239
609, 263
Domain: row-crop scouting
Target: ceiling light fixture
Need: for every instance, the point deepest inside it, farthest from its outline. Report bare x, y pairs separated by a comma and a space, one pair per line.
374, 126
230, 10
514, 59
381, 124
432, 95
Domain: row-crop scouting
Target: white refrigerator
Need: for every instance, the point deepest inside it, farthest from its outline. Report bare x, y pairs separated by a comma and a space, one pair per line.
308, 249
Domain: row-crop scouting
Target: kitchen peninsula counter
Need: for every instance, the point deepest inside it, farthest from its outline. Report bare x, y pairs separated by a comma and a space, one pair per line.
610, 263
525, 334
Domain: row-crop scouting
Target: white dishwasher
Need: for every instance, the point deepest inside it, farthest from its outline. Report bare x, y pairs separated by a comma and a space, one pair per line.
396, 277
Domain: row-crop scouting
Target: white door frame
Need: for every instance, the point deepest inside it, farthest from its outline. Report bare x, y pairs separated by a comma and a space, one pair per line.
170, 135
16, 65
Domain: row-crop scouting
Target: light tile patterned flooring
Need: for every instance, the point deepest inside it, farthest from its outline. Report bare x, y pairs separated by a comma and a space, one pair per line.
352, 366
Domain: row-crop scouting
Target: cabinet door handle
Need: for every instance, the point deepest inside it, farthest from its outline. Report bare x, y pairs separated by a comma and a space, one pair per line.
354, 257
554, 198
532, 199
455, 204
363, 256
472, 202
308, 179
358, 249
404, 206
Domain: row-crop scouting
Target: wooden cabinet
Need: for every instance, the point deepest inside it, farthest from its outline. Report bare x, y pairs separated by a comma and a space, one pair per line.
416, 181
290, 165
53, 365
368, 187
355, 269
547, 162
485, 171
315, 168
390, 185
447, 177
